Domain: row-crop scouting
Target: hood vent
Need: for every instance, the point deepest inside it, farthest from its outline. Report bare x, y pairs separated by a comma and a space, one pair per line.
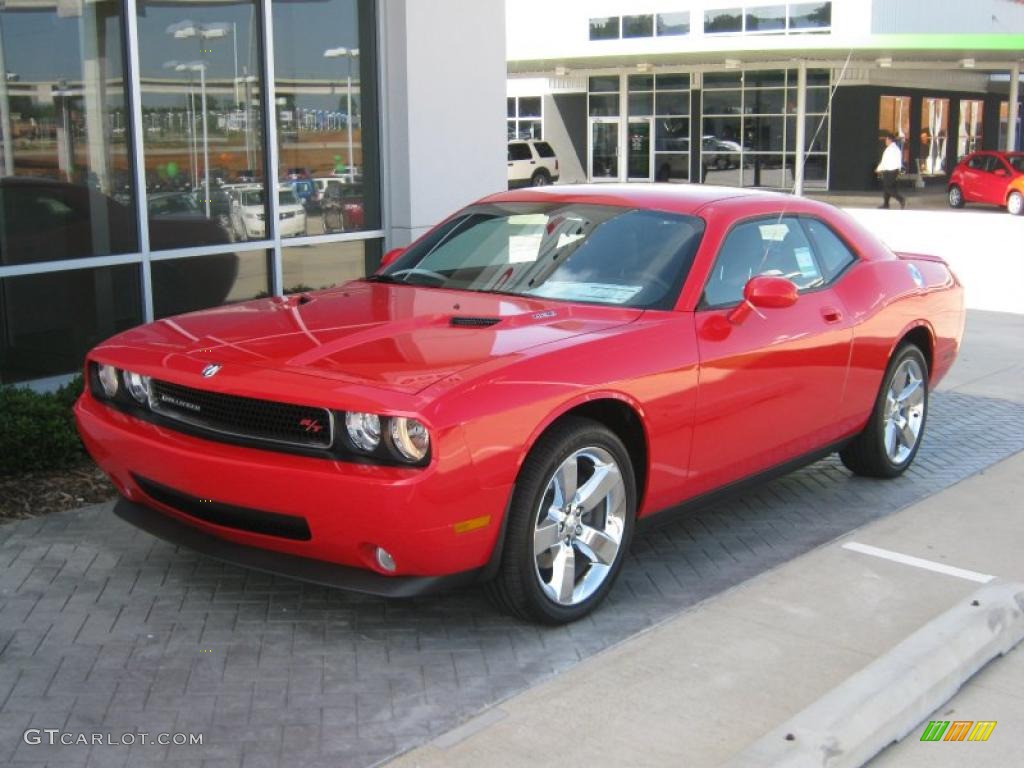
464, 321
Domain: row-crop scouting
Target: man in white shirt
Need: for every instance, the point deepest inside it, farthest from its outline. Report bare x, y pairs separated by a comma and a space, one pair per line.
889, 169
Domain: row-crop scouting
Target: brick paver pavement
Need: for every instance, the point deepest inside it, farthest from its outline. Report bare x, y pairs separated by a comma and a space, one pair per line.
105, 629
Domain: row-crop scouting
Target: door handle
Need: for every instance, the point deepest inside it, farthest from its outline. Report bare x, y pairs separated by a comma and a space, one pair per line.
831, 314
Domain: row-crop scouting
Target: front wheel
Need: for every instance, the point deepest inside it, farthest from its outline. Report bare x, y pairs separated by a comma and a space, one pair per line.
955, 197
570, 523
889, 442
1015, 203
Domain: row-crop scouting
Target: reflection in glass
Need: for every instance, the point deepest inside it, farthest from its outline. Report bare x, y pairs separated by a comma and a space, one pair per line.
604, 144
200, 282
641, 104
604, 104
723, 20
672, 166
49, 321
529, 106
969, 132
314, 267
638, 26
326, 102
763, 170
672, 103
673, 24
672, 134
723, 102
639, 156
67, 190
810, 16
894, 119
934, 136
604, 28
770, 18
201, 87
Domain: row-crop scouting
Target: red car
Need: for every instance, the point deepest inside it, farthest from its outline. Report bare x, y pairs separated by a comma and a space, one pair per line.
995, 178
508, 396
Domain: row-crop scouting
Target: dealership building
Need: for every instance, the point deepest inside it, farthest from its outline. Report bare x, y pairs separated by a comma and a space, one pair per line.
725, 92
162, 156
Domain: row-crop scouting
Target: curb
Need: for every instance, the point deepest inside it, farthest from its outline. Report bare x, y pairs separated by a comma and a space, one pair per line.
888, 698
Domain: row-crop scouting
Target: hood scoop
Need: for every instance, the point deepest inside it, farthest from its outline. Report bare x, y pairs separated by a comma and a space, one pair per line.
468, 321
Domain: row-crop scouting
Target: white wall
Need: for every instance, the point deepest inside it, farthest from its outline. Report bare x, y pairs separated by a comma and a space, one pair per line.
443, 92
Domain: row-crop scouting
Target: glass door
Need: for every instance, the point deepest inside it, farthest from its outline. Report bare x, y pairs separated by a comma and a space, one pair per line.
604, 149
638, 159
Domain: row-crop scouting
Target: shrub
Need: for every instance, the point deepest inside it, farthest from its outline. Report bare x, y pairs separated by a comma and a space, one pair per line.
37, 430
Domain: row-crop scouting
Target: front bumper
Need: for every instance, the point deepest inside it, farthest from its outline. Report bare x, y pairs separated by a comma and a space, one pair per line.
435, 521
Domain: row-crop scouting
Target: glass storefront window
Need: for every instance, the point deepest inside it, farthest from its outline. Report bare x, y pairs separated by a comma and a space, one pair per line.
325, 265
198, 282
48, 321
326, 103
724, 20
604, 28
934, 136
894, 118
769, 18
638, 26
810, 17
67, 188
673, 24
970, 127
202, 112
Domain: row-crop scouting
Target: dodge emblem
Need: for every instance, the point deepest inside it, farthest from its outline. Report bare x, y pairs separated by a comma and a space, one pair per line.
211, 370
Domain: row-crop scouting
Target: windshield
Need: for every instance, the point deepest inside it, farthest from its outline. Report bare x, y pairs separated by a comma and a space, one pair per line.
595, 254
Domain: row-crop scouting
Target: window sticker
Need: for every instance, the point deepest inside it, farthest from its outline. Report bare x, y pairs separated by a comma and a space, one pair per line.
806, 262
774, 233
615, 294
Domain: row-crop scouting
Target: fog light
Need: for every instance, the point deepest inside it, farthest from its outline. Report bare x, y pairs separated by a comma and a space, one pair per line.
385, 560
108, 379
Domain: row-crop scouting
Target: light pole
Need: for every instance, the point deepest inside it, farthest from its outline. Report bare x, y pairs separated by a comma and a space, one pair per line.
349, 54
193, 150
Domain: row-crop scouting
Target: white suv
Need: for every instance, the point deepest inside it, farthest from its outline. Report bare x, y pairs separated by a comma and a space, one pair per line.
531, 164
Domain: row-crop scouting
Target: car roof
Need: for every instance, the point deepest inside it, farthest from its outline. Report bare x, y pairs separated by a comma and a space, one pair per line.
681, 198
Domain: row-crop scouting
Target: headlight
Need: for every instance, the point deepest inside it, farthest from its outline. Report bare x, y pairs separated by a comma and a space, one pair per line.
410, 438
137, 386
363, 430
108, 379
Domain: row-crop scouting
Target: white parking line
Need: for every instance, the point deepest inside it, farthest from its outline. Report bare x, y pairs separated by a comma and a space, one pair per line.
918, 562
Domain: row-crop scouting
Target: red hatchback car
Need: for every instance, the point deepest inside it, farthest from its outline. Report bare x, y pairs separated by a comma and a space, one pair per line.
509, 395
995, 178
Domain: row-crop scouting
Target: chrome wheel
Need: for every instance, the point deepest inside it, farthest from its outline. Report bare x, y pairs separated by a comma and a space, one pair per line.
579, 526
1015, 204
904, 411
956, 197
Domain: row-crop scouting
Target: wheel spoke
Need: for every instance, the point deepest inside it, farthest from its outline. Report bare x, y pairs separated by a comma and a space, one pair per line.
600, 484
600, 544
907, 436
890, 438
563, 573
913, 394
565, 481
545, 536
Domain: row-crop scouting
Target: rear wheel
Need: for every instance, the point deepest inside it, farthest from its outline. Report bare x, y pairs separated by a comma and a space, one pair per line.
889, 442
1015, 203
540, 178
955, 196
570, 523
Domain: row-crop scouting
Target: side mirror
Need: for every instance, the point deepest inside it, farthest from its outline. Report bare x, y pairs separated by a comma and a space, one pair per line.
764, 292
390, 257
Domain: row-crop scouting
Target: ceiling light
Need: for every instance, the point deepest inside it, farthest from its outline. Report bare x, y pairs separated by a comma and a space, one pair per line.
885, 61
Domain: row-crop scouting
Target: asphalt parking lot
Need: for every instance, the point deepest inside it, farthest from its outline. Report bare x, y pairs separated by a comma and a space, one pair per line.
104, 629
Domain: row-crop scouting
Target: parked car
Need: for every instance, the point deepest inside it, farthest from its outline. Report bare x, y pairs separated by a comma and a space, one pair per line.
505, 399
248, 210
342, 207
994, 178
307, 193
531, 164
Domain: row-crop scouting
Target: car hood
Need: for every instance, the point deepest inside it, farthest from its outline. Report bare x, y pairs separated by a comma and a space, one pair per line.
397, 337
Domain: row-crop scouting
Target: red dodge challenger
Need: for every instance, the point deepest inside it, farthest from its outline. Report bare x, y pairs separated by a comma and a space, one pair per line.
507, 397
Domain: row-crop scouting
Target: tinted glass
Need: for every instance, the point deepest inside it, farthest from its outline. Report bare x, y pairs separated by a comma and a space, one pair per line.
49, 321
511, 106
544, 149
326, 99
679, 81
529, 106
722, 80
672, 134
770, 18
1016, 162
604, 84
587, 253
313, 267
604, 28
638, 26
641, 104
673, 24
723, 20
832, 253
186, 285
604, 105
723, 102
810, 16
519, 151
67, 190
640, 82
201, 104
672, 103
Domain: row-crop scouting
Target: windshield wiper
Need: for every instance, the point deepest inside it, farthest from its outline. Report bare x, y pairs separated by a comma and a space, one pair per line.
380, 279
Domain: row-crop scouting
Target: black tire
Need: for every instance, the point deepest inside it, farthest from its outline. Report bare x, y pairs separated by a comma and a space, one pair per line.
955, 196
516, 589
540, 178
866, 454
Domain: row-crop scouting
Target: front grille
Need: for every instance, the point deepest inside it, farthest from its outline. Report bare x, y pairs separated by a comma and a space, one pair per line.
227, 515
267, 421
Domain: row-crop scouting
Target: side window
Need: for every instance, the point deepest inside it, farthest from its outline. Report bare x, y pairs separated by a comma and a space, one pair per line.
833, 255
544, 149
977, 162
519, 151
769, 246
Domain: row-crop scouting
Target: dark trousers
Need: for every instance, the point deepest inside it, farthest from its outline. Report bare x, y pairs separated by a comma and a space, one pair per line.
890, 188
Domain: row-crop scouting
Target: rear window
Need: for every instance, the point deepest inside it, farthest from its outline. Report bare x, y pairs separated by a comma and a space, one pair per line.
519, 151
544, 149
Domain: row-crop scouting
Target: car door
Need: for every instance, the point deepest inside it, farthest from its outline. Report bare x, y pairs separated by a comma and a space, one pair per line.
996, 180
520, 161
974, 178
770, 382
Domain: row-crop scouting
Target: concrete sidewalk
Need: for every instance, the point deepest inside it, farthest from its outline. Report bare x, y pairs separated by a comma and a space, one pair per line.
697, 689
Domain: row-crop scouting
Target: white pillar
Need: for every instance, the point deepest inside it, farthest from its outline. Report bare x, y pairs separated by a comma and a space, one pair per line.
801, 127
443, 116
5, 113
1011, 117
